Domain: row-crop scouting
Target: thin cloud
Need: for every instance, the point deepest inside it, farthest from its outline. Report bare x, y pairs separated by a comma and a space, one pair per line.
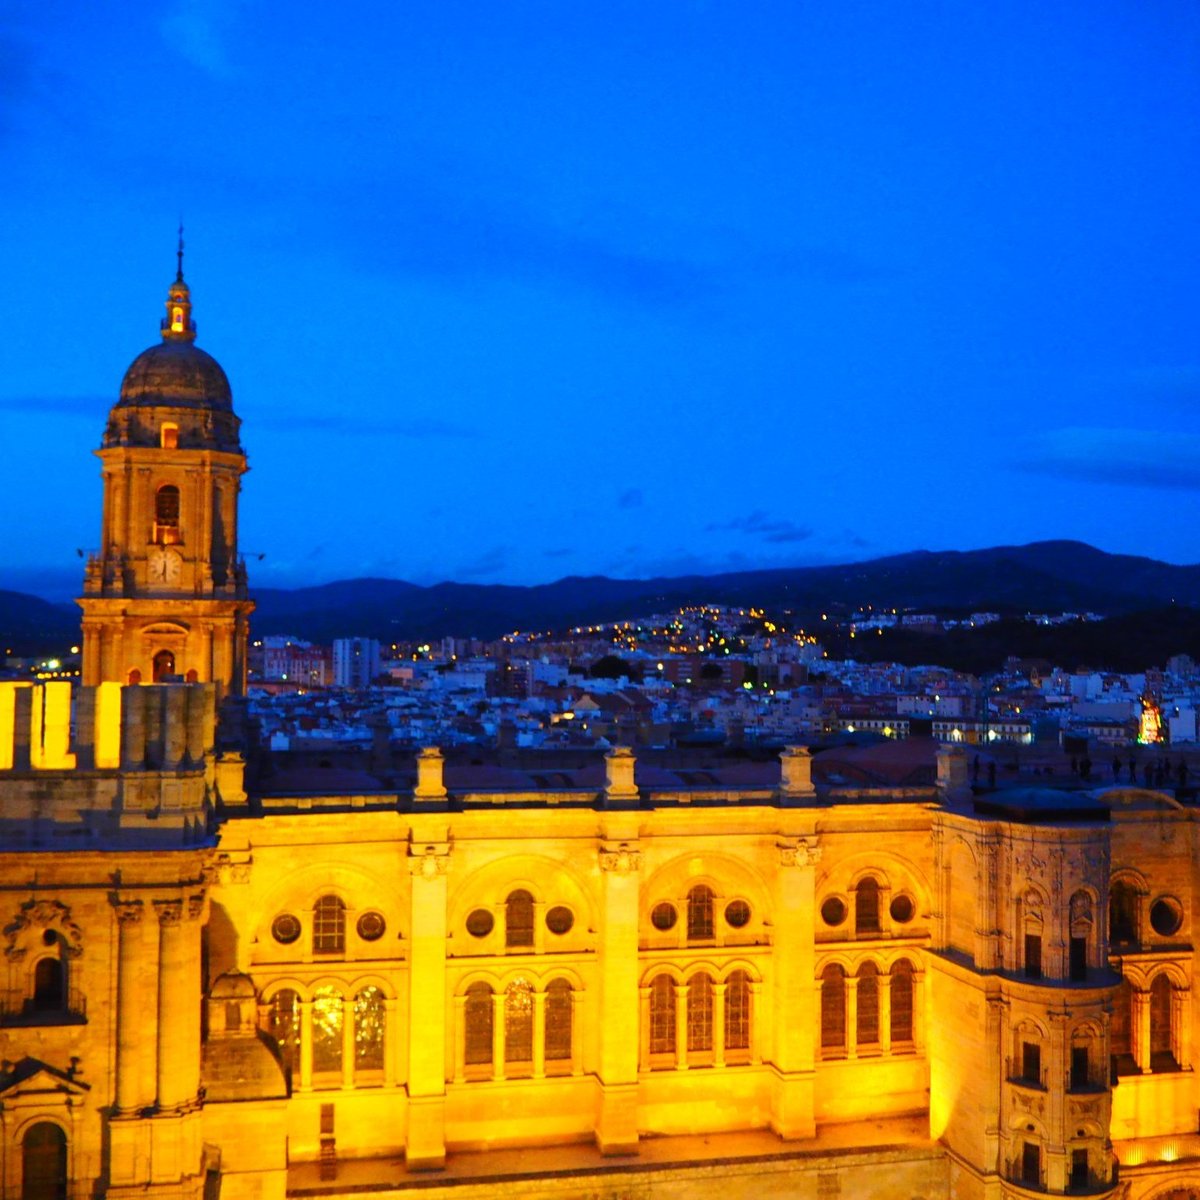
93, 407
771, 529
491, 562
1120, 457
353, 426
191, 30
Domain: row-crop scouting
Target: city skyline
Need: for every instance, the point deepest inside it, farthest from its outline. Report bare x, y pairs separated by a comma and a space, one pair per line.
505, 298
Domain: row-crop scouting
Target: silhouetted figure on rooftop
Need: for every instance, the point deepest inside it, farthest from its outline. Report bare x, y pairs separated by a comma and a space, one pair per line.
1116, 767
1132, 769
1148, 774
991, 774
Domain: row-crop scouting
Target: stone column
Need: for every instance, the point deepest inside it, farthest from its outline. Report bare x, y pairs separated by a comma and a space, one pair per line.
681, 1027
306, 1045
620, 863
718, 1026
428, 862
756, 1037
460, 1038
1140, 1029
796, 1006
174, 1006
498, 1036
851, 1016
885, 1014
391, 1036
348, 1041
129, 1005
576, 1031
539, 1034
1181, 1005
644, 1028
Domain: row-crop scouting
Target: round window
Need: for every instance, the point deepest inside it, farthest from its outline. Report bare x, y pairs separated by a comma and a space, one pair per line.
903, 909
737, 913
371, 926
663, 916
1166, 916
480, 922
560, 919
833, 911
285, 929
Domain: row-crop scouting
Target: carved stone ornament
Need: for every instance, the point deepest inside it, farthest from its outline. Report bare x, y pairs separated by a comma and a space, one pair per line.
428, 863
195, 906
805, 853
170, 912
224, 870
129, 912
43, 914
620, 858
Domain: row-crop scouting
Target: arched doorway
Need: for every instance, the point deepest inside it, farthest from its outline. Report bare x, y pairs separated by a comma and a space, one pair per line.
164, 665
44, 1163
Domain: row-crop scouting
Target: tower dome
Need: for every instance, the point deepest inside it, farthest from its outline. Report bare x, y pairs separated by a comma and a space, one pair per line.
177, 384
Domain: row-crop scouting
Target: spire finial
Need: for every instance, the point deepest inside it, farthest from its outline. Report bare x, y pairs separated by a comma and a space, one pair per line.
179, 255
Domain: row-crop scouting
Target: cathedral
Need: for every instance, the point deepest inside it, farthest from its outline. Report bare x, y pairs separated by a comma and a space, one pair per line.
248, 980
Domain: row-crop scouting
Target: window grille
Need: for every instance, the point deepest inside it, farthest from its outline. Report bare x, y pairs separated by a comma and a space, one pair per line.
329, 926
833, 1008
662, 1015
518, 919
700, 914
478, 1049
737, 1011
868, 1005
518, 1022
699, 1014
558, 1020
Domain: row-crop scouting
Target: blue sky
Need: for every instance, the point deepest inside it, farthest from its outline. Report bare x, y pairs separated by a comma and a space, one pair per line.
513, 291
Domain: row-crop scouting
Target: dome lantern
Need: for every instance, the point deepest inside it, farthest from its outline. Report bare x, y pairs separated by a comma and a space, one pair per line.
178, 325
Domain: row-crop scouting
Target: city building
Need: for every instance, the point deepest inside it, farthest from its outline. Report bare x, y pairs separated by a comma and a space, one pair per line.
356, 662
254, 978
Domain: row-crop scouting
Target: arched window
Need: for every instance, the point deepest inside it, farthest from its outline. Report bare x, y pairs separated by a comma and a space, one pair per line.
1123, 914
166, 515
369, 1021
329, 926
518, 1022
902, 1001
1162, 1051
699, 1013
478, 1021
833, 1008
327, 1012
518, 919
737, 1011
284, 1027
867, 1024
164, 665
662, 1015
866, 906
49, 986
700, 914
558, 1020
44, 1163
169, 435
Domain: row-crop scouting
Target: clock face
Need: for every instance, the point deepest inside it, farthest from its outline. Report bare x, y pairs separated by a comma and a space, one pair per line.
164, 566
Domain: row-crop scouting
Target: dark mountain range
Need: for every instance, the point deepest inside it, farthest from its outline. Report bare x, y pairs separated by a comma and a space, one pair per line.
1043, 576
31, 625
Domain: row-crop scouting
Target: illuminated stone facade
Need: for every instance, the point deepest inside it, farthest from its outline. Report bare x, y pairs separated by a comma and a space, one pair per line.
205, 984
640, 984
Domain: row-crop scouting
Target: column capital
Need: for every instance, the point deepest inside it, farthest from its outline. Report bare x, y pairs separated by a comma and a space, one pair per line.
622, 858
128, 912
802, 852
170, 912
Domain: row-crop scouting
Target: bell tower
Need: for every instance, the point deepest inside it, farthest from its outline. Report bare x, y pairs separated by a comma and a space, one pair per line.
165, 596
